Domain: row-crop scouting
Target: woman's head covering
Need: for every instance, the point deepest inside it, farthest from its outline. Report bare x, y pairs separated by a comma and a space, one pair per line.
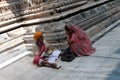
37, 35
69, 27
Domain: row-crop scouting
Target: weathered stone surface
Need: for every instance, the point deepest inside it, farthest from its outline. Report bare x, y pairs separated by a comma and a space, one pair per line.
87, 15
55, 37
104, 64
20, 8
86, 19
4, 37
10, 44
17, 32
102, 25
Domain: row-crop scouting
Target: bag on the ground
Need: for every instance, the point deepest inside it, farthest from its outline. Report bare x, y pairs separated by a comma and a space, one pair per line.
67, 55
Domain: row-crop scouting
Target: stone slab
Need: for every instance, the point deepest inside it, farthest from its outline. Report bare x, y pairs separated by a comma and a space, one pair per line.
10, 44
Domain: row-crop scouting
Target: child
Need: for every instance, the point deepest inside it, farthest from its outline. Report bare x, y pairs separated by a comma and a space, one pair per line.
40, 59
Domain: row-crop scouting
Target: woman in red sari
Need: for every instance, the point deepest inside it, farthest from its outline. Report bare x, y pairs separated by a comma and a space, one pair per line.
79, 41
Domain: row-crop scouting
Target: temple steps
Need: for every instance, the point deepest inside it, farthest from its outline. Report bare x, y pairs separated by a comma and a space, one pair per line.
8, 54
103, 24
48, 19
35, 9
29, 39
11, 44
62, 15
97, 23
98, 18
11, 39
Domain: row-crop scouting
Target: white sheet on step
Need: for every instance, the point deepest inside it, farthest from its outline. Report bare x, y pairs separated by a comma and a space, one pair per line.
54, 56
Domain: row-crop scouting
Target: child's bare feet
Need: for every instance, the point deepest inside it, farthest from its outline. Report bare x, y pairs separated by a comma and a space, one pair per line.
55, 66
58, 67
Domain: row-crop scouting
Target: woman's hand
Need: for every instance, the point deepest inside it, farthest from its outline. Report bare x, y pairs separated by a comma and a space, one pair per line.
70, 42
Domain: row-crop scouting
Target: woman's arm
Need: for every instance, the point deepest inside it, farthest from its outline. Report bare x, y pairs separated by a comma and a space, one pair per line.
42, 49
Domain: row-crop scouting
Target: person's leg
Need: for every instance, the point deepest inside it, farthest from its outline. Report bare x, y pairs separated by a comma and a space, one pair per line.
52, 65
44, 62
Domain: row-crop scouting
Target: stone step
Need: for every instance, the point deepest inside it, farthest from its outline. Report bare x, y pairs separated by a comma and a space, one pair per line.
55, 37
71, 6
4, 38
29, 38
9, 27
8, 54
10, 44
102, 25
105, 31
14, 59
99, 17
59, 45
11, 39
11, 35
33, 48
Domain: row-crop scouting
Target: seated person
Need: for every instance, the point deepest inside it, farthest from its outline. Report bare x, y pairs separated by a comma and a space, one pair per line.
40, 59
79, 41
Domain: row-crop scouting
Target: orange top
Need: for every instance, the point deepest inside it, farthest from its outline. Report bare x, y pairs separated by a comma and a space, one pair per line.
37, 35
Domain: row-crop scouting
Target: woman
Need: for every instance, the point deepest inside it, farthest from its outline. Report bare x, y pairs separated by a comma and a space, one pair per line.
40, 59
79, 41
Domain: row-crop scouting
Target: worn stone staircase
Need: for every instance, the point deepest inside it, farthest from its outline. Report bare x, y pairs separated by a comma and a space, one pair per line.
20, 19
